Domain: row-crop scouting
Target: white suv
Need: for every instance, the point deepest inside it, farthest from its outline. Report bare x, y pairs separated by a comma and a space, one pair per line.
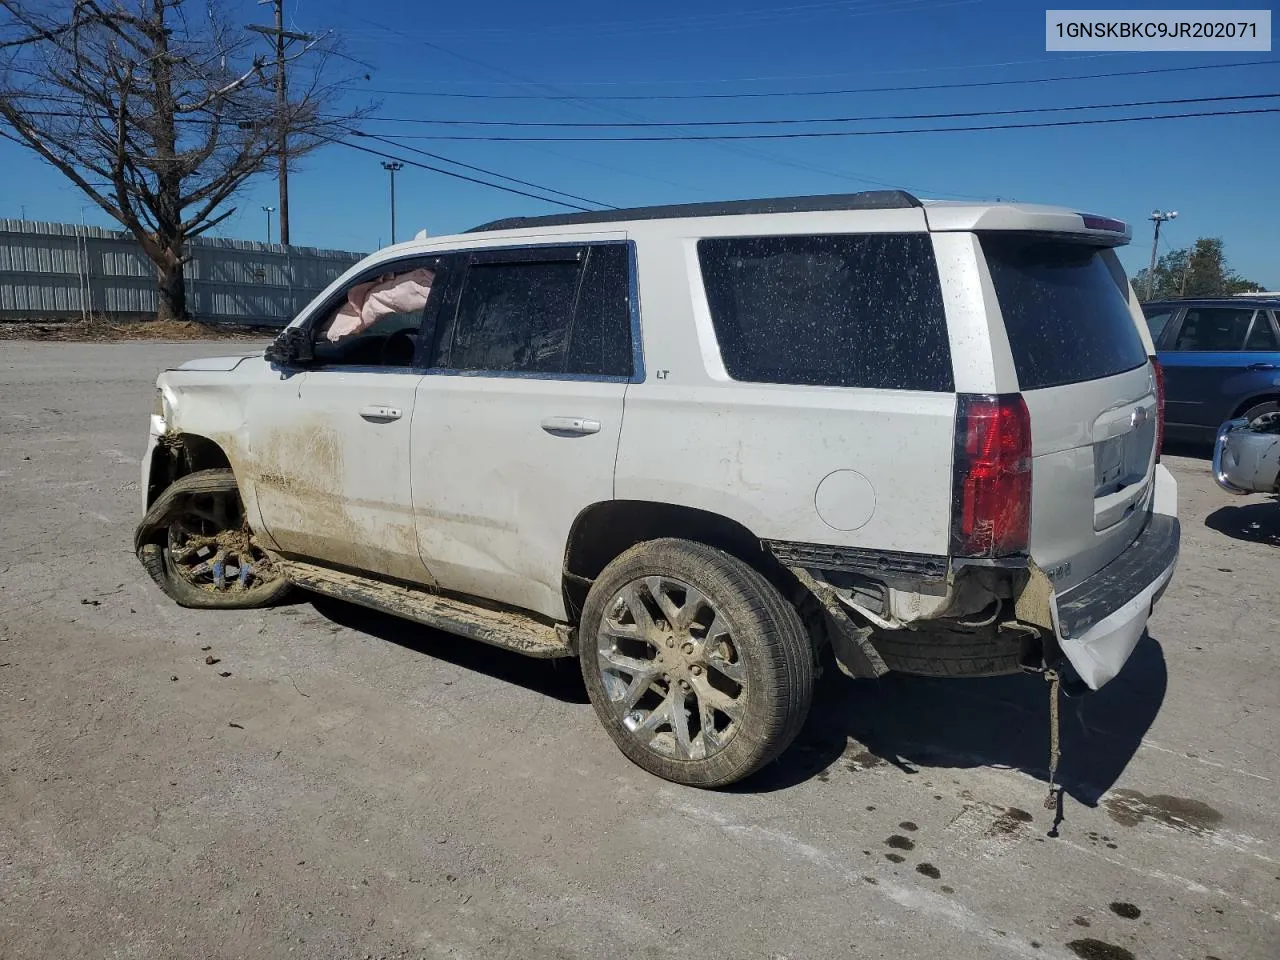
694, 445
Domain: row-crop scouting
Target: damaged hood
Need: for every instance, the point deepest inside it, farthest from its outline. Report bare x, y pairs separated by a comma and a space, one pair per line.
217, 364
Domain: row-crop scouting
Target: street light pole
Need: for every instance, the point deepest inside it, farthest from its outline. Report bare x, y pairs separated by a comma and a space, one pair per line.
1158, 217
268, 211
391, 168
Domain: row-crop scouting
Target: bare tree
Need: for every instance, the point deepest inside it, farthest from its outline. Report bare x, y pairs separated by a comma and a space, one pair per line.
159, 111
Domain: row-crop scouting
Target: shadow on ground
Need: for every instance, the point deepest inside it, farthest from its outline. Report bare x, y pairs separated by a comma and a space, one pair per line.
560, 679
1251, 522
911, 723
916, 723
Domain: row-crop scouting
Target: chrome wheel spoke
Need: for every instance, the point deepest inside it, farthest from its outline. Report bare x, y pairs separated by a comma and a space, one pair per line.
220, 570
679, 716
735, 670
620, 661
709, 698
707, 722
717, 628
658, 716
639, 612
657, 589
637, 688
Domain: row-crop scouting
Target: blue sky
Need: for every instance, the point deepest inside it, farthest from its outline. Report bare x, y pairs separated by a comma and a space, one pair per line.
1218, 172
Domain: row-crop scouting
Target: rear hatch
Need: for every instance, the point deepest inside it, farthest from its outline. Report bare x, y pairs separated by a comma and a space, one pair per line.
1090, 391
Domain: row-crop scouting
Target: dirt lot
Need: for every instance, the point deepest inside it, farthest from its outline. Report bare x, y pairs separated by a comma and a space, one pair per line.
340, 785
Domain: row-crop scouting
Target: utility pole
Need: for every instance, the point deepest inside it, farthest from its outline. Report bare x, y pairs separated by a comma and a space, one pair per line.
268, 211
391, 168
1158, 217
281, 36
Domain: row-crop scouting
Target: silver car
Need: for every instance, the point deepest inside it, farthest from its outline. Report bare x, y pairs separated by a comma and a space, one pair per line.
1246, 456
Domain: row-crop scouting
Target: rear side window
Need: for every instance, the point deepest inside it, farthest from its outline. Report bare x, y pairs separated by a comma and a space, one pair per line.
1066, 317
1262, 336
835, 311
1214, 329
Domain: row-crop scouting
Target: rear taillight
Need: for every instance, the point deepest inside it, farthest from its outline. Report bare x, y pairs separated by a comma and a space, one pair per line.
1159, 374
991, 492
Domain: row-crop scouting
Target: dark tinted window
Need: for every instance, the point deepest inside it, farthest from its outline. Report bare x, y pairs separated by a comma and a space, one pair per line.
840, 311
1262, 336
600, 340
1157, 323
1214, 329
1066, 317
515, 316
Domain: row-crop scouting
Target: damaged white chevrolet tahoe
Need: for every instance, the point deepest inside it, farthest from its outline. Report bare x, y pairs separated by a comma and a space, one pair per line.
692, 446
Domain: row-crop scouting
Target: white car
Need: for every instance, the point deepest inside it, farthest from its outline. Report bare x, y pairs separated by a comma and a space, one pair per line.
694, 445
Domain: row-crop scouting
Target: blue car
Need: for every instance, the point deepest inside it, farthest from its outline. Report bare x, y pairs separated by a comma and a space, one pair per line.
1221, 361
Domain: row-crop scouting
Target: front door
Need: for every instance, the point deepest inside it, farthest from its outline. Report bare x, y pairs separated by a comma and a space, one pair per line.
332, 454
517, 423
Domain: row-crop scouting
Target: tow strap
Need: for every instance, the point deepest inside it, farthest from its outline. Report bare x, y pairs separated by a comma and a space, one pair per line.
1055, 791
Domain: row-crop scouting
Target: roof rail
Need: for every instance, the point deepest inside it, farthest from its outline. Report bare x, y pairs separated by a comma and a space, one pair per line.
867, 200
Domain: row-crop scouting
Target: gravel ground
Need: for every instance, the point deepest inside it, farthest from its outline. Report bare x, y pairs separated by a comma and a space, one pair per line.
343, 785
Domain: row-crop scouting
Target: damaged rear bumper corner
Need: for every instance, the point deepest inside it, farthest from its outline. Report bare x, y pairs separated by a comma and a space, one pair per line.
1099, 622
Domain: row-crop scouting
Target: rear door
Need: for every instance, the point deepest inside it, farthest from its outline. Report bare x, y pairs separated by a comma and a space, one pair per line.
1089, 387
1212, 362
517, 422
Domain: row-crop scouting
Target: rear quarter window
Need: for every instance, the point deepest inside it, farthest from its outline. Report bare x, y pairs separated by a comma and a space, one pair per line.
836, 311
1065, 314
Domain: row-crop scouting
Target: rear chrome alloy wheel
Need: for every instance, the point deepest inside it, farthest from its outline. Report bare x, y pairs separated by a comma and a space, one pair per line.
670, 668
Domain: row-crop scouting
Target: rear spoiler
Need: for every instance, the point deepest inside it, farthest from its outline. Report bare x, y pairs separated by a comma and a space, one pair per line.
1027, 218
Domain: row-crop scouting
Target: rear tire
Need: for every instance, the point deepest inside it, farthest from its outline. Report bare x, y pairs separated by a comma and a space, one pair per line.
697, 666
928, 655
205, 556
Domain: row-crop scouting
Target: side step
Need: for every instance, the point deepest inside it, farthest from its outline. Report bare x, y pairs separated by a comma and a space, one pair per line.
509, 629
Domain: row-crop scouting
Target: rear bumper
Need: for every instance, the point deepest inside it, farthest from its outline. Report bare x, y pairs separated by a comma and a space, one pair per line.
1246, 461
1100, 621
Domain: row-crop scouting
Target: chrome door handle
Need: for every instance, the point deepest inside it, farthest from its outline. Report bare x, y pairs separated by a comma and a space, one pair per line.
570, 426
1261, 366
378, 413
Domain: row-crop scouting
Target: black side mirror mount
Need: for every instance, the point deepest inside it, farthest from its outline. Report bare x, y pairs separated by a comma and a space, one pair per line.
292, 348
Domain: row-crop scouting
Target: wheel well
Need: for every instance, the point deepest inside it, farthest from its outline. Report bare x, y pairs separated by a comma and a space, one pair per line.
1254, 401
605, 530
181, 454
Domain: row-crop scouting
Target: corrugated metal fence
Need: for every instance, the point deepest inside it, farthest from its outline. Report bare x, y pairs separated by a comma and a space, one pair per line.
66, 271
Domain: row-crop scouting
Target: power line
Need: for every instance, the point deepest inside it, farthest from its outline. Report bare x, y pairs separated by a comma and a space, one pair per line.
751, 152
459, 176
407, 40
966, 85
413, 163
789, 121
469, 166
815, 134
739, 18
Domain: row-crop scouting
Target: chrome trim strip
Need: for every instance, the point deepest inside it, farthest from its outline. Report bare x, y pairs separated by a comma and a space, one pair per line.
633, 301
